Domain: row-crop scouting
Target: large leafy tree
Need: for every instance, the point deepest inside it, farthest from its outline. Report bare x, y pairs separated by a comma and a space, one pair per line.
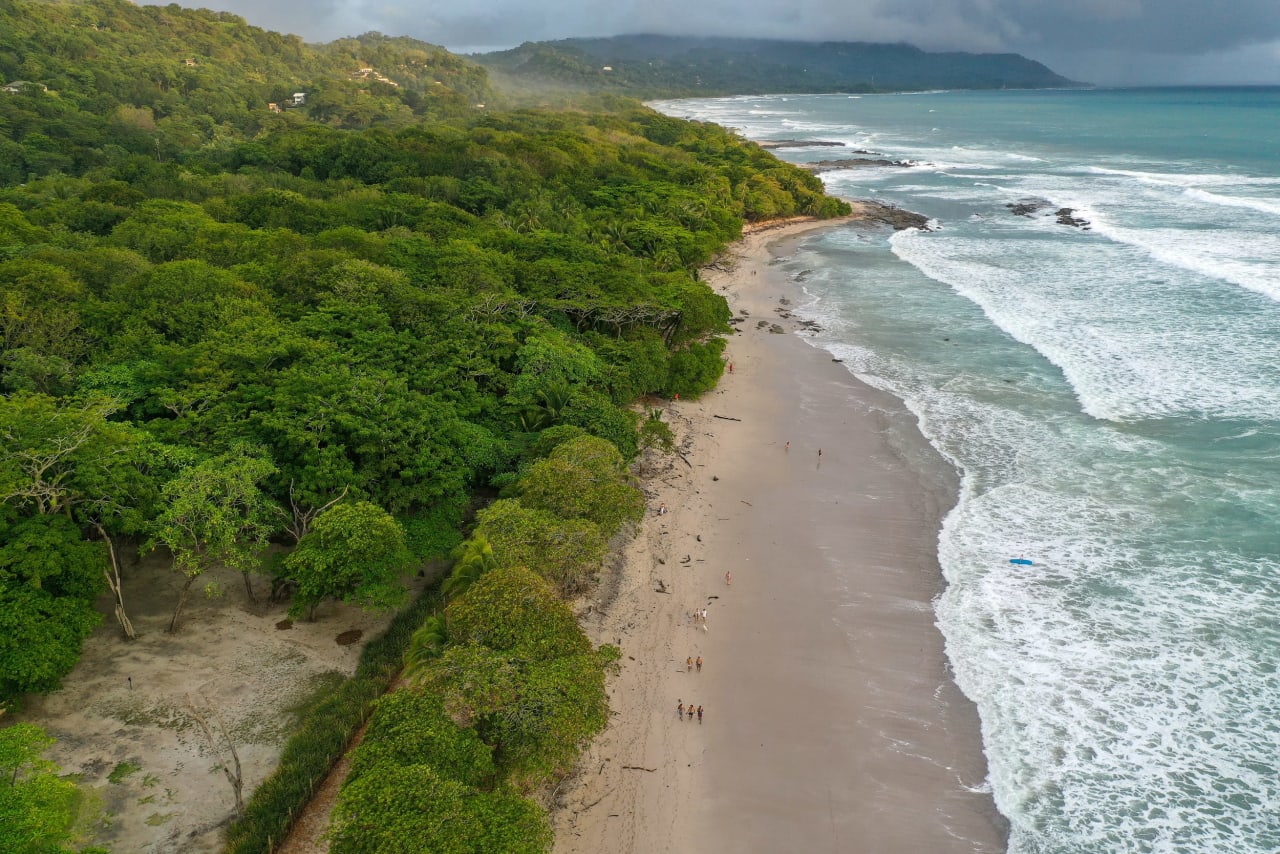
216, 513
584, 478
355, 552
49, 578
567, 552
63, 467
48, 448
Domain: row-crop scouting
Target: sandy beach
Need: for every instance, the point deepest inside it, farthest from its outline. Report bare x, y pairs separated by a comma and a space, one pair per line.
830, 720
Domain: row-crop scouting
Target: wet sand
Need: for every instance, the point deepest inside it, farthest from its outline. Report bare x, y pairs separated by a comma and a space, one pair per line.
831, 722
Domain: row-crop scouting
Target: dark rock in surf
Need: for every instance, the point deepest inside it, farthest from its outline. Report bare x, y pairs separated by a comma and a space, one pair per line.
1066, 216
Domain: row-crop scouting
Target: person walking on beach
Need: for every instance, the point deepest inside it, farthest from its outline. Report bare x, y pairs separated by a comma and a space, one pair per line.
699, 663
688, 664
788, 447
680, 709
699, 715
662, 508
691, 711
731, 367
728, 578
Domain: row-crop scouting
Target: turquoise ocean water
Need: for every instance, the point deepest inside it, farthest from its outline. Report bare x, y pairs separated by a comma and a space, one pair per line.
1111, 397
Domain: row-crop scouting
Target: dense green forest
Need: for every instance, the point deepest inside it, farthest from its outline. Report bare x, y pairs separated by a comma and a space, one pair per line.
342, 328
649, 66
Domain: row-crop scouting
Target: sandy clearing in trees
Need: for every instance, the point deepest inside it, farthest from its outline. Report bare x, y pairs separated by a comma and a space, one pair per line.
232, 661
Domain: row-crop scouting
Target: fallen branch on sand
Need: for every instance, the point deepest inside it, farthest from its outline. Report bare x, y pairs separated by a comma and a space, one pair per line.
686, 459
637, 768
746, 502
726, 418
596, 801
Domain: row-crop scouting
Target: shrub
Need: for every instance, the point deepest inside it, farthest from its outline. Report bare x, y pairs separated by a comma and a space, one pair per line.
696, 370
407, 809
411, 728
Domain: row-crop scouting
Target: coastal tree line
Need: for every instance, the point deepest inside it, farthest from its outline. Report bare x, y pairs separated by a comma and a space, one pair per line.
345, 339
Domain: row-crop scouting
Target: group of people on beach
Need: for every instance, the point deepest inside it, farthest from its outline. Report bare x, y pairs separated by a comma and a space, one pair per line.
681, 710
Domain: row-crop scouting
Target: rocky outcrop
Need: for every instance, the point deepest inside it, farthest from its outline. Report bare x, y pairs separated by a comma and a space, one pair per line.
770, 144
854, 163
1066, 216
895, 217
1026, 207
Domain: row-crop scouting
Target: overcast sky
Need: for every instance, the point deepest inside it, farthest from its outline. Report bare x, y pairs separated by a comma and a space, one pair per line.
1101, 41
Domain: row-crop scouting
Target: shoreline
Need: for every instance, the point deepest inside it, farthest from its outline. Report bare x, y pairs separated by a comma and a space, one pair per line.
832, 720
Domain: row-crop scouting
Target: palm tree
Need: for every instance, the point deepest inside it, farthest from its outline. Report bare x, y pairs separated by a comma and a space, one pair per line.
472, 559
555, 399
426, 645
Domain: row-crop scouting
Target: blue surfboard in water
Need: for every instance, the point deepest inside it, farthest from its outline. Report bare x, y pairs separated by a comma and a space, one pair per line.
1021, 561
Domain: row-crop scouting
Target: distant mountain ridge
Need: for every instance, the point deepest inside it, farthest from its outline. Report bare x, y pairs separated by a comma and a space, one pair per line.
658, 66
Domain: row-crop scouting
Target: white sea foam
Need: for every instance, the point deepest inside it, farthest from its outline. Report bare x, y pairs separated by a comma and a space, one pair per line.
1266, 206
1115, 330
1188, 179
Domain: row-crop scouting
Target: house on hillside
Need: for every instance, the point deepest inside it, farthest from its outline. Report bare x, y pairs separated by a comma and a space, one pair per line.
299, 98
17, 87
189, 62
274, 107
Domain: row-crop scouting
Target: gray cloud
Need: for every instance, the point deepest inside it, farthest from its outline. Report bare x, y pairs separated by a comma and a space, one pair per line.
1122, 38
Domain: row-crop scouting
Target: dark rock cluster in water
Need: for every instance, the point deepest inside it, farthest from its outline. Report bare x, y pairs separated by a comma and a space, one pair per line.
896, 217
854, 163
770, 144
1026, 207
1066, 216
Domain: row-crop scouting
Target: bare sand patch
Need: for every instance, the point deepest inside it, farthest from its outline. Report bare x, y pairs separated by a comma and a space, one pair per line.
122, 721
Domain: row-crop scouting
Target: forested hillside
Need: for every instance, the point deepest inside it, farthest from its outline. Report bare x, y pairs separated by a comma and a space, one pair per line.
648, 66
339, 329
161, 80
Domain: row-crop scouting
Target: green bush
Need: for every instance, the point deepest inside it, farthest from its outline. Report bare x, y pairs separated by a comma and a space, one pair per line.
696, 370
566, 552
411, 728
584, 478
599, 416
408, 809
432, 534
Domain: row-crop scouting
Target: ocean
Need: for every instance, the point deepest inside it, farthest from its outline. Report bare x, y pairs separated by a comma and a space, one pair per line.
1110, 395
